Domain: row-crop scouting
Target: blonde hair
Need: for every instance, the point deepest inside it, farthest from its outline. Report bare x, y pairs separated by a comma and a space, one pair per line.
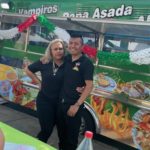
48, 54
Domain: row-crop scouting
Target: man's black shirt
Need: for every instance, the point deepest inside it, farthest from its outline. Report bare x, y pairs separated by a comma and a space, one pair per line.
75, 74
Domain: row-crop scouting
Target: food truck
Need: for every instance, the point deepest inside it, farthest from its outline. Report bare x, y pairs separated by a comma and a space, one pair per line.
119, 105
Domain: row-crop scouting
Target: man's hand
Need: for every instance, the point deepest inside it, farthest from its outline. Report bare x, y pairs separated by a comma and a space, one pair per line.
73, 110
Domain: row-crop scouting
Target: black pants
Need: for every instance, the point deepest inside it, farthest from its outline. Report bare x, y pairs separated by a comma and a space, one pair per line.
68, 127
46, 110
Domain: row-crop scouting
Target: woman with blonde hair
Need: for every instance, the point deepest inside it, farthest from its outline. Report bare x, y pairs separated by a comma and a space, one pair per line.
52, 74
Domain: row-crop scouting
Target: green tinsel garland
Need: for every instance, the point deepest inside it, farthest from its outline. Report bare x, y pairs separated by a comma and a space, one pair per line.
44, 22
120, 60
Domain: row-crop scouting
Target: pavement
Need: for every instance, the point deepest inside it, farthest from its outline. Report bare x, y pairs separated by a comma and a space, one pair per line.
30, 125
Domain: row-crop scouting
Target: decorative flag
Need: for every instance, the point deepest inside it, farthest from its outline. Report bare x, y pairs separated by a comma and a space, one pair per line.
59, 32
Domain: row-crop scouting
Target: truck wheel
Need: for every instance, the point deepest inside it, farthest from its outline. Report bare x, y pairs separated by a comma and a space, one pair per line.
87, 122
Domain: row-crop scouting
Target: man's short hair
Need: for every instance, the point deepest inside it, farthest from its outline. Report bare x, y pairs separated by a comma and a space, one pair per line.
77, 35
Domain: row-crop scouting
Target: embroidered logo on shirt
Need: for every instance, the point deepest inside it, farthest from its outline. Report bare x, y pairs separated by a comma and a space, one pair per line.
78, 64
76, 67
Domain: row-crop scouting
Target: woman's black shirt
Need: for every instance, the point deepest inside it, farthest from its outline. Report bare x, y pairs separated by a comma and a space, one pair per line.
51, 84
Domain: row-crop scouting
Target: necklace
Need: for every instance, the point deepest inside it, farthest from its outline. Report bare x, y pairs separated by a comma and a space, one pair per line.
55, 69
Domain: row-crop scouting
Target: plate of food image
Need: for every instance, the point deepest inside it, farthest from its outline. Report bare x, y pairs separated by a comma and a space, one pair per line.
141, 129
104, 83
7, 73
136, 89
